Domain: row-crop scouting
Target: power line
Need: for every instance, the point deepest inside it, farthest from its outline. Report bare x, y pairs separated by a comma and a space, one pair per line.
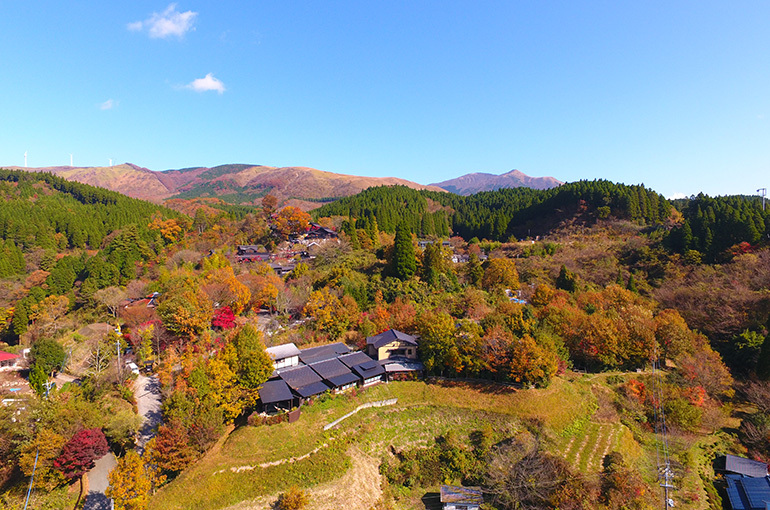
661, 433
31, 478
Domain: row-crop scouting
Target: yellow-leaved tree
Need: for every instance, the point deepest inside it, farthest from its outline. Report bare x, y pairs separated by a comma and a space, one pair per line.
131, 482
186, 313
46, 447
224, 289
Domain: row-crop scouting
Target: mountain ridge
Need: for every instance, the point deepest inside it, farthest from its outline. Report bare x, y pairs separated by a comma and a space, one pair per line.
235, 183
469, 184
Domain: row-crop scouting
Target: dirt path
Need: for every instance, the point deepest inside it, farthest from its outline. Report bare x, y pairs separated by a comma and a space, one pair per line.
357, 489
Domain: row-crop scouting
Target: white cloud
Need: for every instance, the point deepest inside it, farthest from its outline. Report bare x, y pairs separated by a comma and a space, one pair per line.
677, 195
166, 24
207, 83
108, 104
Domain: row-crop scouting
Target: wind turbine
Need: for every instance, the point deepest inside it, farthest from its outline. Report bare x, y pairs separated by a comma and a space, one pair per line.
25, 159
763, 193
110, 161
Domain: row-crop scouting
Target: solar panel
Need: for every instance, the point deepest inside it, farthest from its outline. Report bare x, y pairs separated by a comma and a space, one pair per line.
757, 491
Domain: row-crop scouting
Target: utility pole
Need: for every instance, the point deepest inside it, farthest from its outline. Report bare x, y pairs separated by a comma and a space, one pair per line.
120, 368
763, 193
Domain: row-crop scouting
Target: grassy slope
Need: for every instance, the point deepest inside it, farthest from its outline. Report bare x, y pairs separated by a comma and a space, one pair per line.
423, 412
577, 415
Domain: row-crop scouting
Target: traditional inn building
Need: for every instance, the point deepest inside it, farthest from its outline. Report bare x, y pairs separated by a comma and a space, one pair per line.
391, 344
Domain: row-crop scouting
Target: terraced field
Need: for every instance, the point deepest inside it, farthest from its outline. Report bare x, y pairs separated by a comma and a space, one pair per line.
586, 449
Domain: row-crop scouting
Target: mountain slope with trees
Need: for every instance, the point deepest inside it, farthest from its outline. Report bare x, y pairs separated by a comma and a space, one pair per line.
532, 347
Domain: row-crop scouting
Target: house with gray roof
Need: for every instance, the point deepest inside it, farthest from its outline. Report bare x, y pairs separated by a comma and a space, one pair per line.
304, 381
335, 374
276, 396
732, 464
391, 344
747, 492
370, 372
283, 356
322, 353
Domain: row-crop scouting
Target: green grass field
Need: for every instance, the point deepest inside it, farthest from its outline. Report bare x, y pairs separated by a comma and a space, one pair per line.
303, 454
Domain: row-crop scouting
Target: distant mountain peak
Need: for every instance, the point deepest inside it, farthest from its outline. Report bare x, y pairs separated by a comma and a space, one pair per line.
469, 184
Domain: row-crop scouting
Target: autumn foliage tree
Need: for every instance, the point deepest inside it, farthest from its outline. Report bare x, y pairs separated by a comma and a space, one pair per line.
224, 318
500, 273
131, 483
187, 312
291, 220
293, 499
223, 288
172, 447
80, 452
330, 314
78, 455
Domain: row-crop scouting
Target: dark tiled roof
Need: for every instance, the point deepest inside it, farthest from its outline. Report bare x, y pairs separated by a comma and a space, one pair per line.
457, 494
324, 352
747, 493
744, 466
344, 379
369, 369
354, 358
312, 389
330, 368
300, 376
389, 336
275, 391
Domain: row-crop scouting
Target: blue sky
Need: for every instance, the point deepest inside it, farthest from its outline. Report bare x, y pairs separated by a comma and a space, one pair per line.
675, 95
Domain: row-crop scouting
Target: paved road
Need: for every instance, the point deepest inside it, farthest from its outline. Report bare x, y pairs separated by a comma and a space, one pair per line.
97, 483
147, 394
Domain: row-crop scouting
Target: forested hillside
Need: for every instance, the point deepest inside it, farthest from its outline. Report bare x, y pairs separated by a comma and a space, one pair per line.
44, 211
711, 226
538, 352
498, 215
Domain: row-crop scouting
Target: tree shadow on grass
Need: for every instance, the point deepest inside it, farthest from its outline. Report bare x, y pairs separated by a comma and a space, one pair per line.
482, 386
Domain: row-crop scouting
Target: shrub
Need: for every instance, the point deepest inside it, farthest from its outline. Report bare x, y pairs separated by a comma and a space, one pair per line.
293, 499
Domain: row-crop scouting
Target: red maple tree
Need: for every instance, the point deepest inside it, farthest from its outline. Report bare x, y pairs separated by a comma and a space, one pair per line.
78, 455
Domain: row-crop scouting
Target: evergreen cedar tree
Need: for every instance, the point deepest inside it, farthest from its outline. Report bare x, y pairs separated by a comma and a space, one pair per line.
80, 452
712, 225
48, 355
567, 280
404, 263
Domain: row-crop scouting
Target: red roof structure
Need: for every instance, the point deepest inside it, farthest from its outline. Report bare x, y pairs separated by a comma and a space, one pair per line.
5, 356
